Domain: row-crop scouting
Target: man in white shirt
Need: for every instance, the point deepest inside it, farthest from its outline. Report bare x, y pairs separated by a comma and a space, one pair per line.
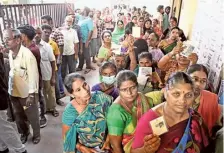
47, 66
159, 16
70, 53
23, 85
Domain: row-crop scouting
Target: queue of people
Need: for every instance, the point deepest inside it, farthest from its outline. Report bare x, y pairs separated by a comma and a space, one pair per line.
115, 114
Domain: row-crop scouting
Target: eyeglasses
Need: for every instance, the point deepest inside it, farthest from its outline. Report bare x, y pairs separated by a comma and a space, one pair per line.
120, 24
130, 89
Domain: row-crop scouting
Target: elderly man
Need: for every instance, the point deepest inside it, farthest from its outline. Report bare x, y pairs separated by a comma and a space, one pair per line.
8, 135
70, 53
23, 85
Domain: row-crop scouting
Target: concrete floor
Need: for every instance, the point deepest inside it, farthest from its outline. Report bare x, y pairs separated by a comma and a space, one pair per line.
51, 138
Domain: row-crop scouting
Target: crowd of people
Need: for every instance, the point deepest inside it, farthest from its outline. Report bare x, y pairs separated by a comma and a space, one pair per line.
39, 65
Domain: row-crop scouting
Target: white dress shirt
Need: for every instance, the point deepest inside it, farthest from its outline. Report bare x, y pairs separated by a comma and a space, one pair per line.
23, 75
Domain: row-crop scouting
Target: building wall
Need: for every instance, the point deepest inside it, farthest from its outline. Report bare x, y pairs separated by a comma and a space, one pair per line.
187, 16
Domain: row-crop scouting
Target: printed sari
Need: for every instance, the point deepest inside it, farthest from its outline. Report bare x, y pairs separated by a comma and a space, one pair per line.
88, 128
122, 123
166, 47
188, 136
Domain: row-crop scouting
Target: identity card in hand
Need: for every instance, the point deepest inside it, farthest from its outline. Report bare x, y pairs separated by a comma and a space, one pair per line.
188, 49
145, 71
159, 126
143, 74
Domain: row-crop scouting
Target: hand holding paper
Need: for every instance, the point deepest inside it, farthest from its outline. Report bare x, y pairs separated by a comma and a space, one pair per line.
136, 32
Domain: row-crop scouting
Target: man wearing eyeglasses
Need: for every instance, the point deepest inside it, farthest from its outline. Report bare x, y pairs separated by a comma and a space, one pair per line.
23, 85
8, 135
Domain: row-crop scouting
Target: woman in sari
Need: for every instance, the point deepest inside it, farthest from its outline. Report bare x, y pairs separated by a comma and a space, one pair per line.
206, 103
167, 45
156, 28
125, 112
105, 51
84, 126
118, 32
173, 23
174, 62
186, 131
153, 79
108, 72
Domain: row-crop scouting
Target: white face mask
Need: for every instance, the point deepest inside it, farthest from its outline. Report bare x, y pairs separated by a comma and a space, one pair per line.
108, 80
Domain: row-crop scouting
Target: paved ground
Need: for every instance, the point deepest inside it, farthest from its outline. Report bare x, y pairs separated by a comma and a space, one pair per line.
51, 138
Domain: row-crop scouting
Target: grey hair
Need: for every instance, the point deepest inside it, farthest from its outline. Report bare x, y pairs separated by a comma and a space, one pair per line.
179, 77
70, 78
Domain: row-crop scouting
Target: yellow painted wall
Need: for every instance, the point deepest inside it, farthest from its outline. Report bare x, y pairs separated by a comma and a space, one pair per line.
187, 16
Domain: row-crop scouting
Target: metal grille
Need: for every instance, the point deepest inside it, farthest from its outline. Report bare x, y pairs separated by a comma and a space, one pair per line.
12, 16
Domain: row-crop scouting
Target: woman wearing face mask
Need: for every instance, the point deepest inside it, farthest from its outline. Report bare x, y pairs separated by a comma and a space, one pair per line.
174, 62
186, 131
168, 44
84, 126
108, 72
206, 102
125, 112
105, 51
118, 32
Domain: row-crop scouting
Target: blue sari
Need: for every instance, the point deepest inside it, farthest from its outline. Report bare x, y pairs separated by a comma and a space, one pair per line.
88, 128
195, 137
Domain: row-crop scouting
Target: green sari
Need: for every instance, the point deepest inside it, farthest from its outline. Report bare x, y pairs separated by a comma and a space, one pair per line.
122, 123
88, 128
117, 34
165, 47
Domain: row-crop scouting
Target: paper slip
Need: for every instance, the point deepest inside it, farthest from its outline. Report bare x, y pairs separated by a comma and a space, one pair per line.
116, 49
142, 80
136, 32
158, 126
144, 71
188, 49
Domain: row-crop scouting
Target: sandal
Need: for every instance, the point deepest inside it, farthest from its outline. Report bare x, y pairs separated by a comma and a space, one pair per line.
87, 71
91, 68
55, 113
78, 69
